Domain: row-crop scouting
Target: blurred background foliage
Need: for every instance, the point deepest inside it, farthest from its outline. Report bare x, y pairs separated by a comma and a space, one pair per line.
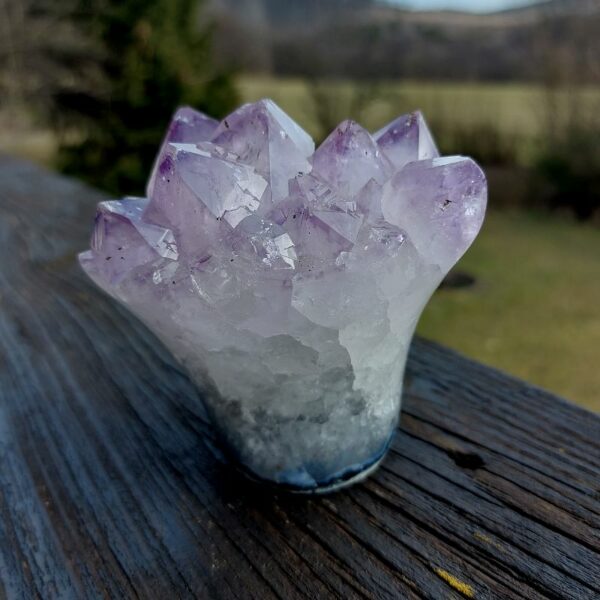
88, 87
148, 57
105, 76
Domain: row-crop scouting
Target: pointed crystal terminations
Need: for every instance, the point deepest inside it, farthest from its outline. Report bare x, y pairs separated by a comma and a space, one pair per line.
187, 126
289, 281
407, 139
264, 137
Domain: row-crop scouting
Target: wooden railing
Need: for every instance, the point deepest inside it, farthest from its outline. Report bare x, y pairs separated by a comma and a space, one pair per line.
111, 484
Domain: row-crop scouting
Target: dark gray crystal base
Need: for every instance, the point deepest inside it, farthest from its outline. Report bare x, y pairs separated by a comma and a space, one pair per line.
337, 481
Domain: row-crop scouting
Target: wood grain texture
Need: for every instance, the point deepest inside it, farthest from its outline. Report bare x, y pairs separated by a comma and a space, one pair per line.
111, 485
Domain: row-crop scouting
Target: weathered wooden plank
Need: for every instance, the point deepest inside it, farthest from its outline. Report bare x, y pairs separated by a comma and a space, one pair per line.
111, 484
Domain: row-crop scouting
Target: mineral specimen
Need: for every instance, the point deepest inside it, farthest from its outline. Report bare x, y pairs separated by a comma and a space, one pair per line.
289, 281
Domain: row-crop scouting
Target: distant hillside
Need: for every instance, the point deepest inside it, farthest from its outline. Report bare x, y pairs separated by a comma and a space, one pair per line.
370, 39
284, 12
554, 7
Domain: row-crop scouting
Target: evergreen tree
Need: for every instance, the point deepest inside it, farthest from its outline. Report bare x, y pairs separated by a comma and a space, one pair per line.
150, 56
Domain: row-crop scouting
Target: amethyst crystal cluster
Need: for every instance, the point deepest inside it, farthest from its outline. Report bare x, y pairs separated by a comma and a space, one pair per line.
289, 281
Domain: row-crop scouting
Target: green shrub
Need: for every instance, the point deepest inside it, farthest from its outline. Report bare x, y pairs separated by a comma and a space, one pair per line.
570, 163
150, 56
485, 142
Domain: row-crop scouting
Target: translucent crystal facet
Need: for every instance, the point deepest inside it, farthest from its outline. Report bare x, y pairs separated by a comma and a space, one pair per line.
289, 281
187, 125
264, 137
407, 139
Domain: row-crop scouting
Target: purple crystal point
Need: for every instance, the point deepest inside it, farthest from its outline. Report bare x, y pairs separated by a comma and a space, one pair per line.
288, 282
187, 125
441, 204
318, 221
201, 193
349, 157
122, 242
264, 137
208, 174
407, 139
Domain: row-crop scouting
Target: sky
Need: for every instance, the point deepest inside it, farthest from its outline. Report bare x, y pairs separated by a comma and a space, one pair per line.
474, 5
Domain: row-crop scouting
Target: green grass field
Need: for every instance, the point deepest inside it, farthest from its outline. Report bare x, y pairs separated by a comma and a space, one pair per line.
519, 112
535, 309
